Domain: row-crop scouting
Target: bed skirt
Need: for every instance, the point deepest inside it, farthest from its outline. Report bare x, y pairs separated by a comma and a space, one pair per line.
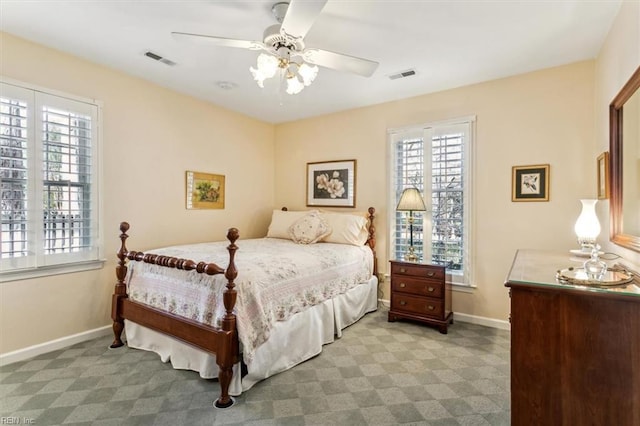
302, 337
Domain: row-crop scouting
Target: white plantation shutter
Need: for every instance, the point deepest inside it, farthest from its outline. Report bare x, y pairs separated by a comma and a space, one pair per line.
409, 169
436, 159
49, 180
16, 178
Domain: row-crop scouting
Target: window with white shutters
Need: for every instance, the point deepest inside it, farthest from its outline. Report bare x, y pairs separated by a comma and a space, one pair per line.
48, 182
435, 159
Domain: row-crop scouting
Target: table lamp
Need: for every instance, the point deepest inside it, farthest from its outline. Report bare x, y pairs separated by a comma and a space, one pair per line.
411, 201
587, 228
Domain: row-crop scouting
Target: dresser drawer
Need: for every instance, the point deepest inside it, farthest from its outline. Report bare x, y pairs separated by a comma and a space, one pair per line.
418, 286
424, 271
418, 305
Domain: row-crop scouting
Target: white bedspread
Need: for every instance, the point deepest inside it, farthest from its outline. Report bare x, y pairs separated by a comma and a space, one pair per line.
277, 278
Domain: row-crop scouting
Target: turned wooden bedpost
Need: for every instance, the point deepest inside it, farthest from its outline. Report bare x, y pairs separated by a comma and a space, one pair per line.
372, 239
225, 358
120, 291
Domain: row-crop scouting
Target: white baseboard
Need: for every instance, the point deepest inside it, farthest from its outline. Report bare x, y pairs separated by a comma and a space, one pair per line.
487, 322
472, 319
53, 345
63, 342
384, 302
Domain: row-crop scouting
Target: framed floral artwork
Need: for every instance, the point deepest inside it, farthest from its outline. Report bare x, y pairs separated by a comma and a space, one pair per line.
603, 176
530, 183
205, 191
331, 184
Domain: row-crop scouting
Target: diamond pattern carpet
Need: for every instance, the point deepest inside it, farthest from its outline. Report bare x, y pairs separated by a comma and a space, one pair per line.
378, 373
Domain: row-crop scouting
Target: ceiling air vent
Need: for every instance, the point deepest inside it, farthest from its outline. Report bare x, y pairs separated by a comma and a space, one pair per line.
159, 58
402, 74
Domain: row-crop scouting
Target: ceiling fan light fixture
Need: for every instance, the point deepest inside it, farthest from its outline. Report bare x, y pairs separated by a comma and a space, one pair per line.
296, 75
284, 41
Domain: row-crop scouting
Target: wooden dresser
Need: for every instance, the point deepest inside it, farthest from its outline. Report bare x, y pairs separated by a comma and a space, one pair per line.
575, 350
419, 292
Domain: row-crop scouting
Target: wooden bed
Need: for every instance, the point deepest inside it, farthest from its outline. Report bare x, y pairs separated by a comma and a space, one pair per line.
221, 341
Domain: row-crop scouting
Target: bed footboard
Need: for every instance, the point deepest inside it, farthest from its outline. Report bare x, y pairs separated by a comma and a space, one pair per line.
223, 341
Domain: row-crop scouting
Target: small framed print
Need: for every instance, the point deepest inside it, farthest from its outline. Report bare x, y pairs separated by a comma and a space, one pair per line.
331, 184
603, 176
204, 191
530, 183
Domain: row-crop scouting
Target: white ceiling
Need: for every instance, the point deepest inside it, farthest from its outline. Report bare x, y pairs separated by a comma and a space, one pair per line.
448, 43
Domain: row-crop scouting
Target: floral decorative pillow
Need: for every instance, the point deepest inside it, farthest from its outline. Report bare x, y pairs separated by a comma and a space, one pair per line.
309, 229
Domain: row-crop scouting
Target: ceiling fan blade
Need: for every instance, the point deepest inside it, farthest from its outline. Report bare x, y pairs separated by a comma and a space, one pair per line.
340, 62
300, 17
218, 41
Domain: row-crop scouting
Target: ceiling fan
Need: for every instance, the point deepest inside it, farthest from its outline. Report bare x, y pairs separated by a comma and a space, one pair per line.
286, 50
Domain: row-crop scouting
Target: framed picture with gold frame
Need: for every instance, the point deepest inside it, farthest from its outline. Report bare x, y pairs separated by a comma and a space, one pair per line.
530, 183
603, 175
204, 190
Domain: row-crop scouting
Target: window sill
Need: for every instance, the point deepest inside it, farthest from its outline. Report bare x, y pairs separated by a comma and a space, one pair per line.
462, 288
45, 271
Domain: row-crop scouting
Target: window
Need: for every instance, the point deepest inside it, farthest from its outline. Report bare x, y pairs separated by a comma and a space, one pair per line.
435, 159
48, 181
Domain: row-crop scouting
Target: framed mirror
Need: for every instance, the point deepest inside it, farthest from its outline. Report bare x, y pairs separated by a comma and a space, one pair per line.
624, 147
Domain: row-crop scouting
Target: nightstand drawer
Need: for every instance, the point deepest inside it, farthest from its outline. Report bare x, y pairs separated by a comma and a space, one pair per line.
418, 270
419, 305
417, 286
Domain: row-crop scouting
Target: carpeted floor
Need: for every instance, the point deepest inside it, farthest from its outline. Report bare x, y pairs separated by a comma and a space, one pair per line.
378, 373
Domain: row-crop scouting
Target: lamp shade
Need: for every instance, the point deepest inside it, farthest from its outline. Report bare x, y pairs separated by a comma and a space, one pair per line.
587, 226
308, 73
267, 67
294, 86
411, 200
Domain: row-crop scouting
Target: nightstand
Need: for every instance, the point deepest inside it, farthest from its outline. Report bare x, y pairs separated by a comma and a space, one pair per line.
419, 292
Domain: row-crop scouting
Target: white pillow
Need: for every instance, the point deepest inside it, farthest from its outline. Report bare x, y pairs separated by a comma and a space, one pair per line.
346, 228
309, 229
281, 221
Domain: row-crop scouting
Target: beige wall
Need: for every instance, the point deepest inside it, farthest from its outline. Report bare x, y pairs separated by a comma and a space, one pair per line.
536, 118
151, 136
618, 59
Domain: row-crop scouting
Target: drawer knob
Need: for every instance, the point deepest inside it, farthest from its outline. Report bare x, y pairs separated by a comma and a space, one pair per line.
402, 270
402, 302
430, 307
430, 274
403, 285
430, 289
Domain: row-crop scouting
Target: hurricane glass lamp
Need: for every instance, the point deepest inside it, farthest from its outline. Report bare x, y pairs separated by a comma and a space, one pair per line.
411, 201
587, 227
